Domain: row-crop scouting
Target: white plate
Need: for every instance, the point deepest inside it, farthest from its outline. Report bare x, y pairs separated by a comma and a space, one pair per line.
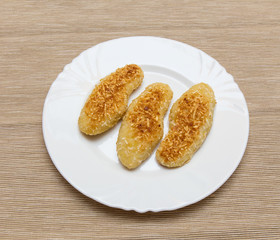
90, 164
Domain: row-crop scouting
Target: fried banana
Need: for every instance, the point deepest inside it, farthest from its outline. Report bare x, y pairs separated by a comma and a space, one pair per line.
190, 121
142, 126
108, 101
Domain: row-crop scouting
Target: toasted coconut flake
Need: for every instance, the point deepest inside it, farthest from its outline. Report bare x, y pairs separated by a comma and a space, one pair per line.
188, 120
108, 97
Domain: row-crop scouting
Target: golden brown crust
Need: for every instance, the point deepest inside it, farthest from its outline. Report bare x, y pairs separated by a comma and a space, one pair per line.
190, 120
108, 101
142, 126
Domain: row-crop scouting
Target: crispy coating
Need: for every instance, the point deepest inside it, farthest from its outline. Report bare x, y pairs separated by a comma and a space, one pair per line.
190, 121
142, 126
107, 103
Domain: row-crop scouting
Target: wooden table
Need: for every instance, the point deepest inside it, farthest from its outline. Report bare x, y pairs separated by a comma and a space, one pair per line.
37, 38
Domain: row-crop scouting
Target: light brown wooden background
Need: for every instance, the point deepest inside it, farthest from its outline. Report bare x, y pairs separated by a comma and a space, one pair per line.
37, 38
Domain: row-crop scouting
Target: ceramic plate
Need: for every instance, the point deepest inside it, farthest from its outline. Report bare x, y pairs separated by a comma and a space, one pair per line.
91, 165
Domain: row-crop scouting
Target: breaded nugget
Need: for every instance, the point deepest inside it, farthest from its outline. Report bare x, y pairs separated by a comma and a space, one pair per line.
107, 103
142, 126
190, 121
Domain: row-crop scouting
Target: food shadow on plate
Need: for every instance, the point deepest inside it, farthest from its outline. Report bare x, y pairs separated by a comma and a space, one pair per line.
109, 133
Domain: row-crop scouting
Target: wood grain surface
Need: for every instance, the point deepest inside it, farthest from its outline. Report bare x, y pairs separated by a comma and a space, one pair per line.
37, 38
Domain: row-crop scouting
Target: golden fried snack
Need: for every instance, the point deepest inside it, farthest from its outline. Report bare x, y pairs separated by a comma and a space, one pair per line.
190, 121
107, 103
142, 126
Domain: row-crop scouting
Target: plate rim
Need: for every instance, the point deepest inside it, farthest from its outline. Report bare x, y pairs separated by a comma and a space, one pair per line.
147, 209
